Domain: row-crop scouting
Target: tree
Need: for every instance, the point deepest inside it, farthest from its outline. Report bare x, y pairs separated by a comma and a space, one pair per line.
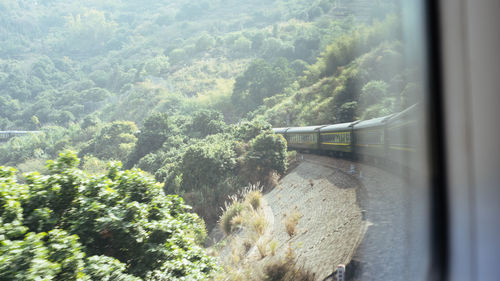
267, 152
152, 136
115, 141
242, 46
206, 163
347, 112
88, 32
119, 226
204, 42
249, 130
157, 65
206, 122
261, 80
373, 92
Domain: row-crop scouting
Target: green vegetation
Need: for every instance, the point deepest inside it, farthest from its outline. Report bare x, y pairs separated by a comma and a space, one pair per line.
186, 91
359, 76
72, 226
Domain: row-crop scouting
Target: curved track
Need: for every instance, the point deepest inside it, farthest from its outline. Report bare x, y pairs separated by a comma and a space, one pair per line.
381, 254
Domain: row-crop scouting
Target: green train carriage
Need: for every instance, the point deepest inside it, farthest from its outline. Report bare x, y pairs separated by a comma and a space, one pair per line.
303, 138
337, 138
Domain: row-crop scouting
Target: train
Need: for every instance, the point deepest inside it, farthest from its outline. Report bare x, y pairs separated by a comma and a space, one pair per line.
388, 139
6, 135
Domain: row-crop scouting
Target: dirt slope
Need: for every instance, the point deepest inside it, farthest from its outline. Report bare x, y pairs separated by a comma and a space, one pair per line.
330, 227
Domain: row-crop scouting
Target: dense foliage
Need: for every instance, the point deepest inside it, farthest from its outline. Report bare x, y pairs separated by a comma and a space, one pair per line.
72, 226
360, 75
186, 91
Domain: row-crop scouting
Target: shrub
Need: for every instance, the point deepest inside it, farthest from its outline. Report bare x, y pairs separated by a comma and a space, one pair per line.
254, 199
287, 270
231, 211
122, 221
259, 223
262, 247
266, 155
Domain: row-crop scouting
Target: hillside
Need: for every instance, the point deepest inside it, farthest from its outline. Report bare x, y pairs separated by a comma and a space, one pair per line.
188, 92
329, 228
156, 85
60, 62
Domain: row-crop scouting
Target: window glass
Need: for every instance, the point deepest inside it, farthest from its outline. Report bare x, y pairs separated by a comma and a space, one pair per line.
295, 132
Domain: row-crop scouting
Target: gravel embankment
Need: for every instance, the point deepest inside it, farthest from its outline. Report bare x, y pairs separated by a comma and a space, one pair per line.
331, 229
382, 254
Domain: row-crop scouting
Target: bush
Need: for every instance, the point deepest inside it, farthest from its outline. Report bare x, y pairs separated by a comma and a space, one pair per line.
287, 271
231, 211
266, 155
122, 221
254, 199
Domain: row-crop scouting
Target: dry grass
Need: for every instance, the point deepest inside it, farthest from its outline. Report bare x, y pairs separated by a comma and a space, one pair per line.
271, 180
254, 199
236, 221
240, 209
262, 247
291, 221
258, 223
287, 270
273, 245
230, 211
247, 245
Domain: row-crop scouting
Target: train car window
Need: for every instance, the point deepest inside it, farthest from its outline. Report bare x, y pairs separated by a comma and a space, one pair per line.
302, 136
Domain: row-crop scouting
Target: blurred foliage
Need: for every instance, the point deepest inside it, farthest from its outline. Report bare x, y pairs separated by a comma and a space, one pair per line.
118, 226
152, 136
115, 141
188, 92
359, 76
259, 81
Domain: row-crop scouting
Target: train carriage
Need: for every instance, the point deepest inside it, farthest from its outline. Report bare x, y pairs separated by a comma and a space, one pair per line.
369, 138
401, 130
6, 135
281, 131
303, 137
337, 138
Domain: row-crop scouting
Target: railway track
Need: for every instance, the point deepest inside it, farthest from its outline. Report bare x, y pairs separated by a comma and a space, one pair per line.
382, 241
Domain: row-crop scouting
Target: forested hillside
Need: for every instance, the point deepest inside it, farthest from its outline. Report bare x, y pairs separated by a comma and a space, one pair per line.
186, 91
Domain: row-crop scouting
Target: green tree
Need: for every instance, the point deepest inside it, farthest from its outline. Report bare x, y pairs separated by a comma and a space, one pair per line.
88, 32
267, 152
119, 226
204, 42
206, 122
115, 141
242, 46
261, 80
373, 92
208, 162
154, 133
249, 130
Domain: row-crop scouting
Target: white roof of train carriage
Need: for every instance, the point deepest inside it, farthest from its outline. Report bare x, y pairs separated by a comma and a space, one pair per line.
280, 130
308, 129
403, 114
380, 121
338, 127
